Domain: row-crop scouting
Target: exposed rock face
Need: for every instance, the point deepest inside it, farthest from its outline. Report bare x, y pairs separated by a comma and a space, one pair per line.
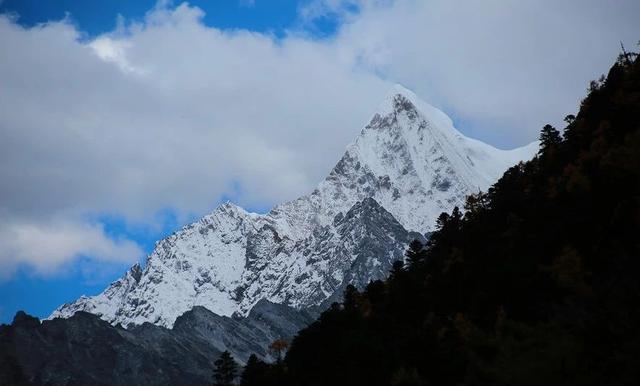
85, 350
408, 165
243, 336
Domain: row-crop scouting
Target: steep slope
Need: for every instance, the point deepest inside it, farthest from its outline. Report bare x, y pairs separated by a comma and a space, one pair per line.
412, 161
85, 350
536, 284
358, 247
408, 165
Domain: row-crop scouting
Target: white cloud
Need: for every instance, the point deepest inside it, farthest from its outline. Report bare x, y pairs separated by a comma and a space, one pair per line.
114, 51
46, 247
169, 113
504, 67
165, 114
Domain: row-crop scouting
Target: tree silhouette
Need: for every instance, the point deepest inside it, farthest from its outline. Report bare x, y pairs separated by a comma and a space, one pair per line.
549, 137
254, 372
536, 284
416, 253
225, 371
570, 118
397, 268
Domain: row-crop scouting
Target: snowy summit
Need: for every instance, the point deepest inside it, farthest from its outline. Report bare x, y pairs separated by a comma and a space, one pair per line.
407, 166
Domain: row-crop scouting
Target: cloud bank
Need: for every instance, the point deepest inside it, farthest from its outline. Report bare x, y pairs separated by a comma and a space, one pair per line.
46, 247
167, 113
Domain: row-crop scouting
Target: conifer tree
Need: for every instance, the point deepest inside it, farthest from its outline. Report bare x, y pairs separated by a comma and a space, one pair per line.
549, 137
254, 372
225, 371
415, 254
350, 297
570, 118
397, 268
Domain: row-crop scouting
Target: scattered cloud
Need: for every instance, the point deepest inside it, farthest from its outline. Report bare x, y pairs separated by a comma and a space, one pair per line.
47, 247
167, 112
113, 51
504, 68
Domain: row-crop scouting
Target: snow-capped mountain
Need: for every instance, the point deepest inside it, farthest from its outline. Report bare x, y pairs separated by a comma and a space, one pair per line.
407, 166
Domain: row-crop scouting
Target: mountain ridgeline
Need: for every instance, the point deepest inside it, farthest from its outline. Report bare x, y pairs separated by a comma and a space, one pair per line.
86, 350
236, 281
535, 284
407, 166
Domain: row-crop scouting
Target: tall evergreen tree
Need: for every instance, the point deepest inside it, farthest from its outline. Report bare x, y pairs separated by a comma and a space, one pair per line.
397, 268
549, 138
255, 372
416, 253
226, 370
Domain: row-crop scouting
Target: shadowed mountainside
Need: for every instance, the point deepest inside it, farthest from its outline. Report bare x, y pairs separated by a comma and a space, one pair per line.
536, 284
85, 350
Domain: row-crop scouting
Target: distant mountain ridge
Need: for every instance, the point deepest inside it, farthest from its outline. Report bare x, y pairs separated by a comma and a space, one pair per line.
407, 166
85, 350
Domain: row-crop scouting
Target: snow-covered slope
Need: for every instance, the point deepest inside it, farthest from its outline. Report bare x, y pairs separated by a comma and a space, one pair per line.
407, 166
409, 158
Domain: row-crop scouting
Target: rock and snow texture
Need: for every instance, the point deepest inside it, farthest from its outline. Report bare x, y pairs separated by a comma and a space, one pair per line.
407, 166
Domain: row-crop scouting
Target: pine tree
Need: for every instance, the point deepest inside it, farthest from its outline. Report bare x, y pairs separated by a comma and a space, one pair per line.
225, 371
397, 269
549, 137
569, 119
254, 372
442, 220
456, 217
416, 253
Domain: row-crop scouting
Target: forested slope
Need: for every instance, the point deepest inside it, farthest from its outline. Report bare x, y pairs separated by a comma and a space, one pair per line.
537, 283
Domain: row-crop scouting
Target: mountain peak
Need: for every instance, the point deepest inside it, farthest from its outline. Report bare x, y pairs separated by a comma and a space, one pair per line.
401, 99
397, 99
398, 90
24, 319
407, 166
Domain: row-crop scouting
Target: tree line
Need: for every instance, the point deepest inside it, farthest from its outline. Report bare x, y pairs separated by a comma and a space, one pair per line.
535, 283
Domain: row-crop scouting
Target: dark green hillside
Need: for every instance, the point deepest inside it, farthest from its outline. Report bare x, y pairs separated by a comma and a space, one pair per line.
538, 283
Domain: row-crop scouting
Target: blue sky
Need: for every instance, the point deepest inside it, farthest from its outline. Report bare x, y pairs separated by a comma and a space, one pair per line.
38, 294
120, 121
95, 17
